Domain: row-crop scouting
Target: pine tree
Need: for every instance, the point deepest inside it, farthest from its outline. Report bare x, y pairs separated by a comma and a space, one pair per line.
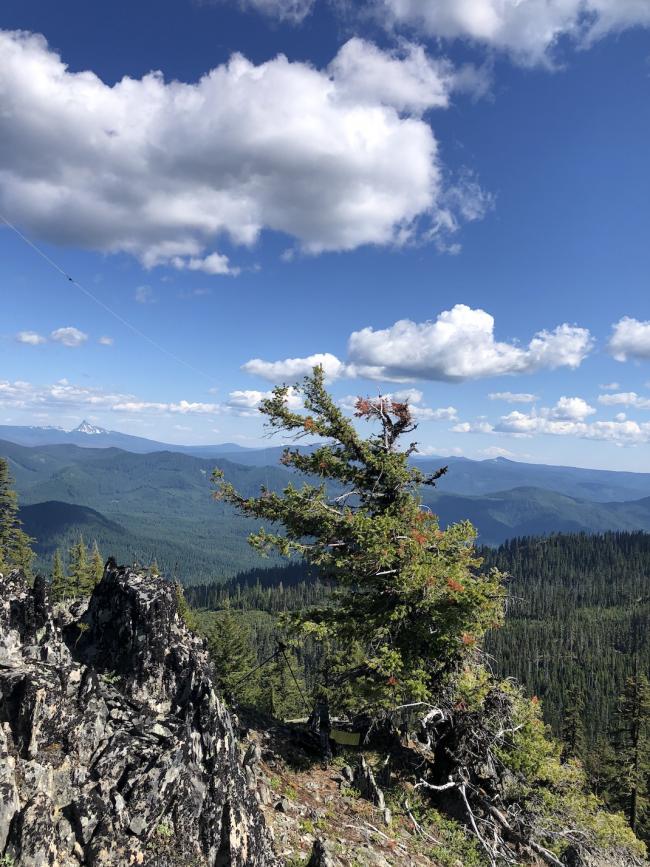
154, 569
230, 647
573, 726
59, 583
408, 592
15, 544
79, 577
96, 566
627, 773
283, 691
633, 753
185, 612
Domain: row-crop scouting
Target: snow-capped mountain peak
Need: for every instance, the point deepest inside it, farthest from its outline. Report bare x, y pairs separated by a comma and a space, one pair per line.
87, 428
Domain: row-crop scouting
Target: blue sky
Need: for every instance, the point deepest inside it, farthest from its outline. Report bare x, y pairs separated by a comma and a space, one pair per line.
449, 200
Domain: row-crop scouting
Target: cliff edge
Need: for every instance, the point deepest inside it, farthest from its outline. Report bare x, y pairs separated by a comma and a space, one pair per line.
114, 746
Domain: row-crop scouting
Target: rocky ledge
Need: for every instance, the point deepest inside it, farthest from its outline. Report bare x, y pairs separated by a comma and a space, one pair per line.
114, 747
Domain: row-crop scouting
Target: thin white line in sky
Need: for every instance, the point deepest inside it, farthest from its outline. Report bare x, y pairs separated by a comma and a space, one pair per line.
104, 306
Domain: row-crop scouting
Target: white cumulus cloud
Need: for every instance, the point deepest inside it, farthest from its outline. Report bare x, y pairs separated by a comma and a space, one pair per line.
480, 426
31, 338
625, 398
630, 338
527, 29
620, 431
406, 78
460, 345
247, 402
163, 170
295, 368
69, 336
573, 408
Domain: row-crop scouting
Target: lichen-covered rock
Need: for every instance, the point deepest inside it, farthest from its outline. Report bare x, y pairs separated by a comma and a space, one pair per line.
114, 747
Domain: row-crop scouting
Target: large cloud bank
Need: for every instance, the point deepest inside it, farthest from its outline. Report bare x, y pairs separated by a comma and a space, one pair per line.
334, 158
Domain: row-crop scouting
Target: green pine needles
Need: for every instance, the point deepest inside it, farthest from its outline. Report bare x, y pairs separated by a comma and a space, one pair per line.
15, 544
410, 603
83, 574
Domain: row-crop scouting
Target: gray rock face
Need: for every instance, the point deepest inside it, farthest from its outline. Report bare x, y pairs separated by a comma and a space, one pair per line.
114, 747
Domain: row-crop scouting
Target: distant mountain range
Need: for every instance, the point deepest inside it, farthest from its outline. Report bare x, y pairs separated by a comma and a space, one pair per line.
159, 504
88, 435
464, 477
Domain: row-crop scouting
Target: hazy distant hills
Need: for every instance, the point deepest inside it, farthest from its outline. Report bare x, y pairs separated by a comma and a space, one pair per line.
90, 436
534, 511
141, 505
465, 476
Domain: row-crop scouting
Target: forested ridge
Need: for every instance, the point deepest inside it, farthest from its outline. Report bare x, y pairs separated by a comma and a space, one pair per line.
578, 614
141, 506
576, 629
578, 619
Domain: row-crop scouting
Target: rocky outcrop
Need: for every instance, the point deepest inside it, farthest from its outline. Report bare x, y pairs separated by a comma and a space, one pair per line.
114, 747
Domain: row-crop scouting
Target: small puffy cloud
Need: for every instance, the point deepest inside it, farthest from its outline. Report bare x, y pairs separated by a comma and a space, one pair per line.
483, 427
609, 386
31, 338
442, 413
144, 295
513, 397
295, 368
69, 336
556, 419
247, 402
529, 30
460, 345
214, 263
408, 395
334, 158
573, 408
106, 341
406, 78
625, 398
630, 338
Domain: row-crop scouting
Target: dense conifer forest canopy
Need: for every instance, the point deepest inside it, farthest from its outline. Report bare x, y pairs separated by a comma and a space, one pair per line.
577, 624
578, 615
